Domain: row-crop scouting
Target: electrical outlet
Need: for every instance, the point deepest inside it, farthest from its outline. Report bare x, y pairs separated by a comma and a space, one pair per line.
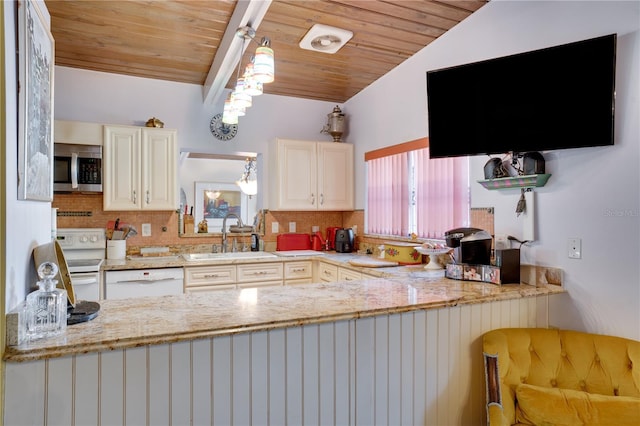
354, 228
574, 248
292, 227
275, 227
146, 229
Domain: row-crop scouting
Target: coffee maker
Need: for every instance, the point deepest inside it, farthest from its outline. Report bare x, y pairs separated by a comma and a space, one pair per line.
344, 240
471, 245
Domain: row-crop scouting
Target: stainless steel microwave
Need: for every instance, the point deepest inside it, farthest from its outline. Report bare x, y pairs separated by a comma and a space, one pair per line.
77, 168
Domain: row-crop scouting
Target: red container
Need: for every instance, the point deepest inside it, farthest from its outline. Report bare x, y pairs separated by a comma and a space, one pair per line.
286, 242
331, 236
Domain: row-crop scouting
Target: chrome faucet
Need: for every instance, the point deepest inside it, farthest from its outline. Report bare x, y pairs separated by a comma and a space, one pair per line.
224, 229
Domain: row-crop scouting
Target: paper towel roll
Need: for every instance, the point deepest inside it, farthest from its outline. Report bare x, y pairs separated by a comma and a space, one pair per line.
528, 217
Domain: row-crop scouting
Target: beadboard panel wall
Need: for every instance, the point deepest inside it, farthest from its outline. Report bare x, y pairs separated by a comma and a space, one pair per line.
422, 367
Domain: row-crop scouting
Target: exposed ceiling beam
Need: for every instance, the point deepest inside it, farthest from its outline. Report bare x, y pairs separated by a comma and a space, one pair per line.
247, 12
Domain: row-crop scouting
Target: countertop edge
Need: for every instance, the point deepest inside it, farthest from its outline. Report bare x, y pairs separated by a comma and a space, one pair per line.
15, 354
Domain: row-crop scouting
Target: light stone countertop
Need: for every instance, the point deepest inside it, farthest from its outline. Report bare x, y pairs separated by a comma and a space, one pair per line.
158, 320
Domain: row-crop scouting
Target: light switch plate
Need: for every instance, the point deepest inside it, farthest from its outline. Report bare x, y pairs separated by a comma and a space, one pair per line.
275, 227
146, 229
292, 227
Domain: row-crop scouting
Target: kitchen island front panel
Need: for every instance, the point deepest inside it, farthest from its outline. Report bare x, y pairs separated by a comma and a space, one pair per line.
415, 367
167, 319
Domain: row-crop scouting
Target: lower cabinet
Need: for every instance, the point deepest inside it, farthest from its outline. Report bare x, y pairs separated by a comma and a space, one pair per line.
221, 277
327, 272
207, 278
298, 272
345, 274
259, 274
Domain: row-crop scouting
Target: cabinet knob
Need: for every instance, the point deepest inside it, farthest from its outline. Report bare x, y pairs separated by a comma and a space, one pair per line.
313, 198
321, 199
135, 197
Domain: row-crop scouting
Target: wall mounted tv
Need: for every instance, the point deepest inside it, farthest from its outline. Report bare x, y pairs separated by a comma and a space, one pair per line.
554, 98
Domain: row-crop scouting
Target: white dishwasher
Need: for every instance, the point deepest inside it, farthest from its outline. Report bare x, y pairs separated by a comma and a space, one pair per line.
143, 282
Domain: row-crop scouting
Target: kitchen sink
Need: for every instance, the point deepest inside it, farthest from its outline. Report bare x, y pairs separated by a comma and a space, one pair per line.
230, 255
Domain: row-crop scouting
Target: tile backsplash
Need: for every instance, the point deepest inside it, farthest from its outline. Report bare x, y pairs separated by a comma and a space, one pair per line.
164, 224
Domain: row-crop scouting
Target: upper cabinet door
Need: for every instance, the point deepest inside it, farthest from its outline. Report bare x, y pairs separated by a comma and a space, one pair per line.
335, 176
312, 176
159, 169
122, 174
296, 174
140, 168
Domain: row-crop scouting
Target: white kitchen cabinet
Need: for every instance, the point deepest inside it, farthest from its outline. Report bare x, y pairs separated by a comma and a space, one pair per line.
327, 272
222, 277
140, 168
298, 272
312, 176
206, 278
345, 274
257, 273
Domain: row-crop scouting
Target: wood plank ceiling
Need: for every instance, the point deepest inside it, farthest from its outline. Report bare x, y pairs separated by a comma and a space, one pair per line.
177, 40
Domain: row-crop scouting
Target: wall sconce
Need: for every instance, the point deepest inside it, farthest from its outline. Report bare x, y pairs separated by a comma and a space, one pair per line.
258, 72
248, 182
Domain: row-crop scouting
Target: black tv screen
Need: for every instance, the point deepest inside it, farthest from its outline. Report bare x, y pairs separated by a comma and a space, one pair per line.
554, 98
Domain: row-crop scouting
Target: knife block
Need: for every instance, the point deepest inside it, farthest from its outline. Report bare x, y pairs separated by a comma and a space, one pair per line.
189, 224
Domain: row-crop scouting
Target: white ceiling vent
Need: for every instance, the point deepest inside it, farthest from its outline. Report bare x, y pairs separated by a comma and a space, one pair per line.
326, 39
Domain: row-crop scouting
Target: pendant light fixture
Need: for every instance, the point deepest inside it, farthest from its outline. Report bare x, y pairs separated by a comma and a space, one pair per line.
258, 72
248, 182
263, 65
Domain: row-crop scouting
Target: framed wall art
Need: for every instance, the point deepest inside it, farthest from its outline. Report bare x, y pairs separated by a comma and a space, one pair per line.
35, 104
214, 200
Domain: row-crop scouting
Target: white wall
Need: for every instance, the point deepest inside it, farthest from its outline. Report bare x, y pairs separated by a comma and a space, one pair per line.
28, 223
594, 193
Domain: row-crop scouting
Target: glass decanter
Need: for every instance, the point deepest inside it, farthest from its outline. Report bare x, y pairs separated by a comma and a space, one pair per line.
47, 306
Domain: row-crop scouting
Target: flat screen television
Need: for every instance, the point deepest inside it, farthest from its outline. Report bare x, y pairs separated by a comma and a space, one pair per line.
553, 98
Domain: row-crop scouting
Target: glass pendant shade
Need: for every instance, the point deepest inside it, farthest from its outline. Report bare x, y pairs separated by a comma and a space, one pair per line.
249, 187
252, 87
263, 66
248, 182
229, 114
241, 98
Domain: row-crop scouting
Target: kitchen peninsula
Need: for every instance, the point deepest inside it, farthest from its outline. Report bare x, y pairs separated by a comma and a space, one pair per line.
389, 350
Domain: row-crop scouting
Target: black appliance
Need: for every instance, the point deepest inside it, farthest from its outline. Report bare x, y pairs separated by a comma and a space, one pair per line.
508, 260
344, 240
471, 245
77, 168
532, 101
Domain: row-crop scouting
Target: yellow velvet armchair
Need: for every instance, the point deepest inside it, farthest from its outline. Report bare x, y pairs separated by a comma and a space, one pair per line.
538, 376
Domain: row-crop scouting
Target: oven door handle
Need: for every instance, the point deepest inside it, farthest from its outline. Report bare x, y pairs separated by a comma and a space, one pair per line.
83, 281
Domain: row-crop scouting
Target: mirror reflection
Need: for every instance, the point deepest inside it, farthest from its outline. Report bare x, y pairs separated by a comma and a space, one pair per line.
209, 188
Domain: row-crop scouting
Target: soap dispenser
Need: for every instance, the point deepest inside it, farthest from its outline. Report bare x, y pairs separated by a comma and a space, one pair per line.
46, 307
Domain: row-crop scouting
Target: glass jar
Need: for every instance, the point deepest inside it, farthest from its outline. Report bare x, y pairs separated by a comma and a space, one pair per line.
46, 307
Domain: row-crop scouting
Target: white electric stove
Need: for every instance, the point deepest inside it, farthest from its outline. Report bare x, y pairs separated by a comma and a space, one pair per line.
84, 251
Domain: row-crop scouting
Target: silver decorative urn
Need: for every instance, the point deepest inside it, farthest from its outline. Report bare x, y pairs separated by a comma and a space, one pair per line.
335, 124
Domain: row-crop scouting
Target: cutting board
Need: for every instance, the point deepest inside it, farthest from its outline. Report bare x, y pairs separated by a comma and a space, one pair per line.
372, 263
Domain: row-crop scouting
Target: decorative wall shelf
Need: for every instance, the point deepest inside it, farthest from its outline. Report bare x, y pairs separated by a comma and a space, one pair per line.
527, 181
